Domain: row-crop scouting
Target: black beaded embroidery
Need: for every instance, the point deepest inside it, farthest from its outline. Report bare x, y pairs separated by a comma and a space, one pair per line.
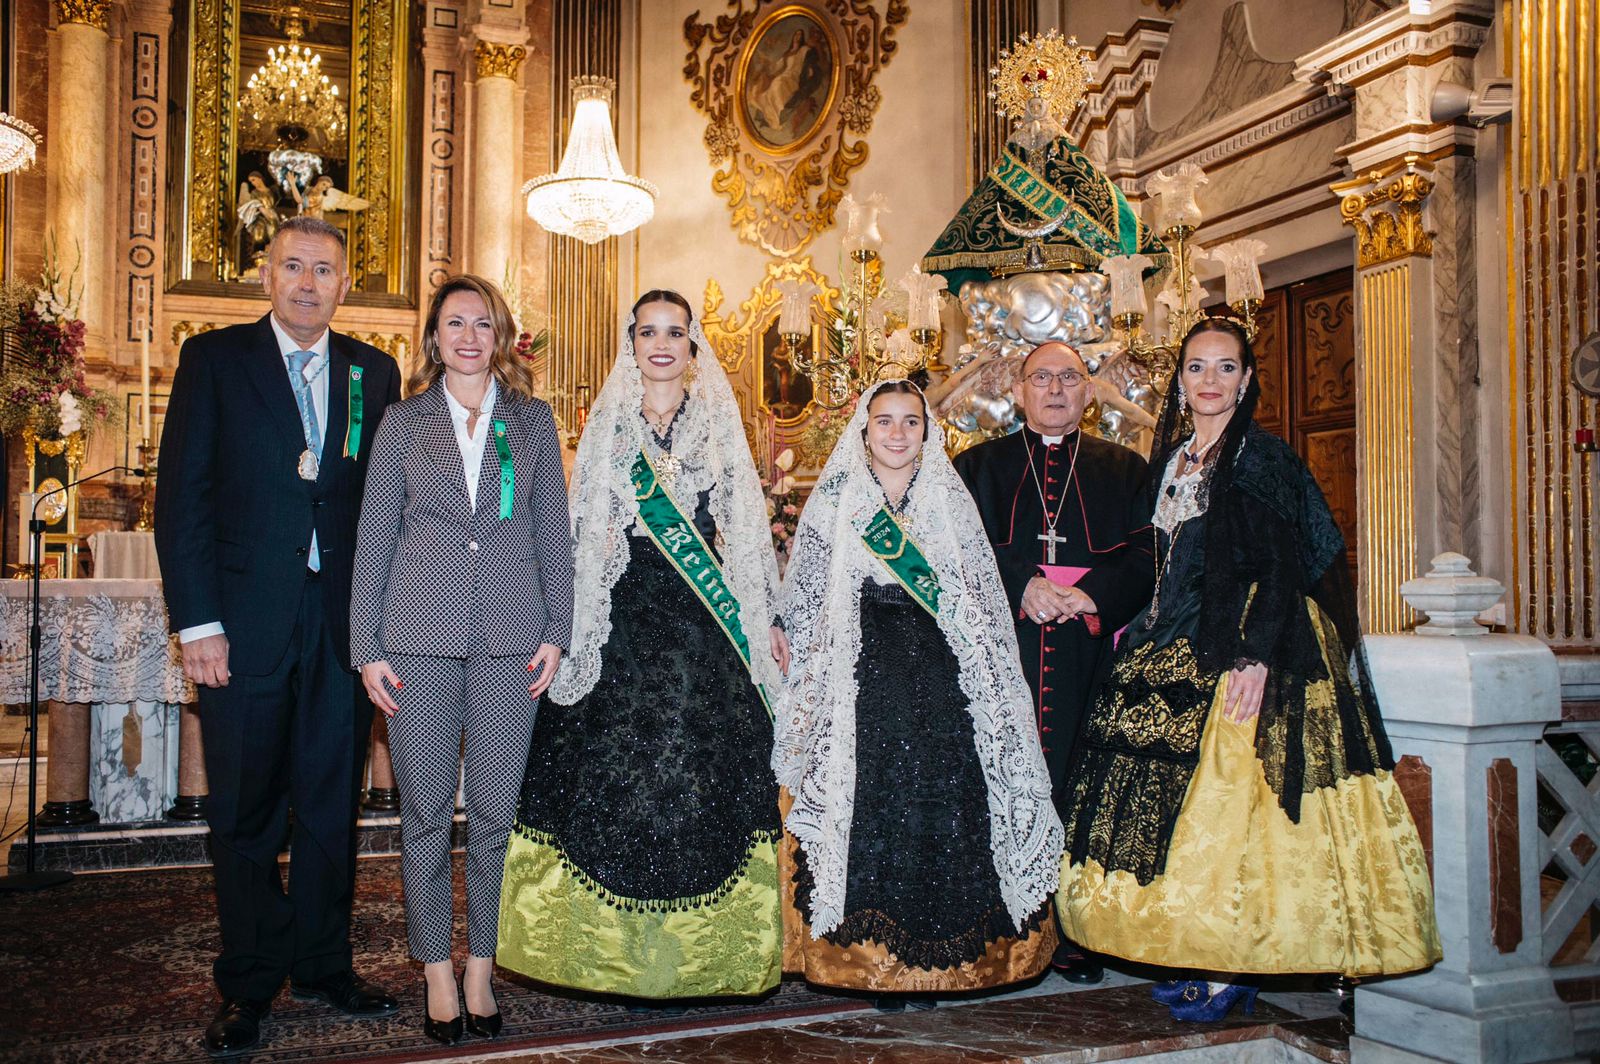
921, 880
656, 783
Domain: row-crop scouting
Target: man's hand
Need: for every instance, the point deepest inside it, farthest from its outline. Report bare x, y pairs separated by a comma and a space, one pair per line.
205, 661
1045, 602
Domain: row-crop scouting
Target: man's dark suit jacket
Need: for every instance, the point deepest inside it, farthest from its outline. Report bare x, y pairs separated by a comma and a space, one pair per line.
233, 517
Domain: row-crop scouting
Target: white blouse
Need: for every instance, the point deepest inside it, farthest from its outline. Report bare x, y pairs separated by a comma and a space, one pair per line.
471, 444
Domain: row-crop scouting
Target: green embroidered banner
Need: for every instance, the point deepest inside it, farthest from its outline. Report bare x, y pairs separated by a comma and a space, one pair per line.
1029, 187
680, 541
508, 478
885, 538
352, 432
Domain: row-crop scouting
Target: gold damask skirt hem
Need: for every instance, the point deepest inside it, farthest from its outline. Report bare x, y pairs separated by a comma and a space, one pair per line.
1247, 890
870, 966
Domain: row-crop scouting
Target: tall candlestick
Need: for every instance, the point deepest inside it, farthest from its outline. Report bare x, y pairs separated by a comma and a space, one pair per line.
144, 383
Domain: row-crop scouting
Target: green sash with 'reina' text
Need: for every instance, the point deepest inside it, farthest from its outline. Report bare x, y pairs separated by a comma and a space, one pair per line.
681, 542
889, 541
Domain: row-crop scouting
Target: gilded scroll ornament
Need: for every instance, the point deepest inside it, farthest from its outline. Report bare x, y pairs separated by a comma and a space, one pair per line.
1387, 217
499, 60
94, 13
788, 97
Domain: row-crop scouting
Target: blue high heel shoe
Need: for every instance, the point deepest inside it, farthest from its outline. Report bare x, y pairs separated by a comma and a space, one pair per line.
1176, 991
1218, 1005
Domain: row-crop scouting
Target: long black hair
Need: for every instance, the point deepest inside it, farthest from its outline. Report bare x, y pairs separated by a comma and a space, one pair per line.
664, 295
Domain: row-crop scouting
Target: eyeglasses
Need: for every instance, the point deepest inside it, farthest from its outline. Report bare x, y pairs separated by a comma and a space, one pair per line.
1069, 378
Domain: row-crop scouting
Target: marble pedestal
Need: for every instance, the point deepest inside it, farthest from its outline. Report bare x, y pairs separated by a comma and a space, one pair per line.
1466, 712
133, 760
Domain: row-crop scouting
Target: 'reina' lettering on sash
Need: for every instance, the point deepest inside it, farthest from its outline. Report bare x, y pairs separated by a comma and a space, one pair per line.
681, 542
888, 540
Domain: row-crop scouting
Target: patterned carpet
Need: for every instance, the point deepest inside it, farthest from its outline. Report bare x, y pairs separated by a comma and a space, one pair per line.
117, 968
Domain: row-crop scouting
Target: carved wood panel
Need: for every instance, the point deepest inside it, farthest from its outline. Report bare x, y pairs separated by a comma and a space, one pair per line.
1272, 357
1331, 454
1325, 320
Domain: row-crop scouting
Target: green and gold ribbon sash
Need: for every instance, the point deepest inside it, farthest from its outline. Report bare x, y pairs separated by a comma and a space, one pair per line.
1033, 190
1041, 197
681, 542
352, 432
508, 477
888, 540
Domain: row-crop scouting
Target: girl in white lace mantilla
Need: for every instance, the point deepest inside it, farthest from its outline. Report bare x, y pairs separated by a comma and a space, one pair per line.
644, 861
920, 797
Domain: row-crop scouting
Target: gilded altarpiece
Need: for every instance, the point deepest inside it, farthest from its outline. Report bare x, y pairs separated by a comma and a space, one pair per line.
746, 344
210, 175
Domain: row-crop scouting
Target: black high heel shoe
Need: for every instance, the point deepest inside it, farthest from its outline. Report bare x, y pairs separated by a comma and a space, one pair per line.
445, 1032
484, 1026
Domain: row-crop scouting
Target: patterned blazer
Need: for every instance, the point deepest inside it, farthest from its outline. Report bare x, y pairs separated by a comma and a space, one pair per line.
435, 577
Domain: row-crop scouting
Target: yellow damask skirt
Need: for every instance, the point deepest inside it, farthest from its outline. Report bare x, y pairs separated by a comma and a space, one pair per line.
1248, 890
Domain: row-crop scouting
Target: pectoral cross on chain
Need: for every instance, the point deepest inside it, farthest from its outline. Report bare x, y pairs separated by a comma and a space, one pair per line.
1050, 540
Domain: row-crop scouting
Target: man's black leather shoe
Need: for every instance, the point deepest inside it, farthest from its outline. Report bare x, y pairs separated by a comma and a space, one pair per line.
237, 1026
347, 992
1076, 966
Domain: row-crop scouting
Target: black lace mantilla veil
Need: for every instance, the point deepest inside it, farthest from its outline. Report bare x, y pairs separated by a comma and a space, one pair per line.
1271, 544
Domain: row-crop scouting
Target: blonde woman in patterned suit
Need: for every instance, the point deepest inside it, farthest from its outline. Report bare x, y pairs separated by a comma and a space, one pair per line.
460, 611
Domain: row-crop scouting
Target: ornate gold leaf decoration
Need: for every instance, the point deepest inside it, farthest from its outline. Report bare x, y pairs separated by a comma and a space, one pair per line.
782, 199
499, 60
1386, 215
89, 12
1048, 65
736, 338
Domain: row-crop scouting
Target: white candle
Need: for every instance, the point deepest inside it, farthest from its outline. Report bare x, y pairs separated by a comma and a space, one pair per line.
144, 383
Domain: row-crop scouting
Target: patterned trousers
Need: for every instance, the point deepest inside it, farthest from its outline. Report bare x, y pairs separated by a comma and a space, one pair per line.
486, 699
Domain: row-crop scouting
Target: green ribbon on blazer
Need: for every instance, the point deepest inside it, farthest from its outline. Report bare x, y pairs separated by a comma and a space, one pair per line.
888, 540
508, 479
352, 432
681, 542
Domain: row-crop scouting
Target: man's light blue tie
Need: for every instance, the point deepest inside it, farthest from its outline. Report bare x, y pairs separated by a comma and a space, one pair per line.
298, 360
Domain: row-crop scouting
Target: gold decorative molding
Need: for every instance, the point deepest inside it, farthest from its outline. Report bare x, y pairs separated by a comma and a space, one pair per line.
782, 196
736, 337
1387, 216
94, 13
498, 60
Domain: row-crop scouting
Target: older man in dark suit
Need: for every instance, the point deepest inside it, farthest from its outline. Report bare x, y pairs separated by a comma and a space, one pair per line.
262, 463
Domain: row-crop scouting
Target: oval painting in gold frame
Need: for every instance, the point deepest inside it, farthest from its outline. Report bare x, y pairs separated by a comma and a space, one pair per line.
787, 79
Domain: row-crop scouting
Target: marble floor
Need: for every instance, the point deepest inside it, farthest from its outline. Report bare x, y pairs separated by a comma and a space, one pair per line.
1053, 1022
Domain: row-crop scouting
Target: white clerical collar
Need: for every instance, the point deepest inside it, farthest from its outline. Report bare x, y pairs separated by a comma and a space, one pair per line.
1051, 441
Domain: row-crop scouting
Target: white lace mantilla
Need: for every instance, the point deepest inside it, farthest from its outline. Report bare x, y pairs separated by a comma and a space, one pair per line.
100, 641
709, 439
814, 752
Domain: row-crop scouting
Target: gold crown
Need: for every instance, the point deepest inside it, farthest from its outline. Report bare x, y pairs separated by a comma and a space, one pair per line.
1049, 65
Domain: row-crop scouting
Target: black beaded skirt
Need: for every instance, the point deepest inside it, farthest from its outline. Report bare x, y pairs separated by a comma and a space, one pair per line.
921, 880
644, 860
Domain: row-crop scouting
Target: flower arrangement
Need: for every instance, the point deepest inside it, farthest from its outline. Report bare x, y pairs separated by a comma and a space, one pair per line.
43, 385
783, 503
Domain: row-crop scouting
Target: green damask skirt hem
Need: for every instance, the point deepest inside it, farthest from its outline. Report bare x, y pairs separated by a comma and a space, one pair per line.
559, 926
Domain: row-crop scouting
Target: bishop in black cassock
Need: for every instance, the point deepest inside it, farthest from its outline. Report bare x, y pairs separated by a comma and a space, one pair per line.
1052, 494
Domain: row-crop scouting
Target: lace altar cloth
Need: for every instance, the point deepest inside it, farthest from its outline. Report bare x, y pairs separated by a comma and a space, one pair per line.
100, 641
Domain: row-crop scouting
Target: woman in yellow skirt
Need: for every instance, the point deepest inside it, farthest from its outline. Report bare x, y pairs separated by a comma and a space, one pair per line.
1230, 808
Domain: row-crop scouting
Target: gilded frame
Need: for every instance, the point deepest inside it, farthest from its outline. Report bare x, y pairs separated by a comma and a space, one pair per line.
781, 200
382, 259
741, 108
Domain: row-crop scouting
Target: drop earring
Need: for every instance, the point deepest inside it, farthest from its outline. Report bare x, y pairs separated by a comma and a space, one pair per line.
1183, 399
1239, 397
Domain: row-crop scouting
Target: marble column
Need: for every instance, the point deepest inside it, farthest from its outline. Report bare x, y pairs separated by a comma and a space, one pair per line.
1466, 712
80, 156
66, 792
495, 118
1410, 204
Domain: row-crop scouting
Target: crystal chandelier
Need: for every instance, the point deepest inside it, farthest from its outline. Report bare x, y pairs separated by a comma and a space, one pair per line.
18, 143
590, 197
289, 102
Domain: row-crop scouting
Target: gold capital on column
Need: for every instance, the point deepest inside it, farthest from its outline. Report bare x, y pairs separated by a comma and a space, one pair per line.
94, 13
499, 60
1386, 214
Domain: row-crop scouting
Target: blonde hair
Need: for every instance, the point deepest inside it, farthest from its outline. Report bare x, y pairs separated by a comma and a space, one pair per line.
510, 370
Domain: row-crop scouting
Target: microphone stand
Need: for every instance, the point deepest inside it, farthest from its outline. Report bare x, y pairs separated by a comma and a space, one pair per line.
34, 878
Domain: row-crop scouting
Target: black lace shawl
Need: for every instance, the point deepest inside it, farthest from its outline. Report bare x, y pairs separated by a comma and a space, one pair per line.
1271, 544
